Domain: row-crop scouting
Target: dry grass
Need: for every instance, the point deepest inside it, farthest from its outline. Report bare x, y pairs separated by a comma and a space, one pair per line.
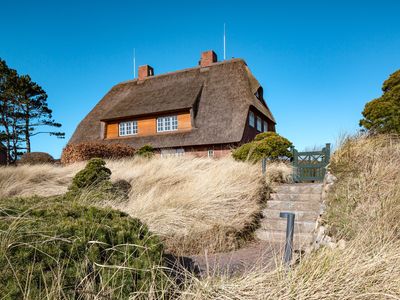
193, 203
42, 180
364, 209
279, 172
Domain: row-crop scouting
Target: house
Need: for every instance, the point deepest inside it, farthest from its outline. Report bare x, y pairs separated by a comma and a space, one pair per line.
205, 110
3, 154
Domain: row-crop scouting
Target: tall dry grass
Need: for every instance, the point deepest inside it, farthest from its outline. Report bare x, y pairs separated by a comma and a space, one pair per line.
364, 209
193, 203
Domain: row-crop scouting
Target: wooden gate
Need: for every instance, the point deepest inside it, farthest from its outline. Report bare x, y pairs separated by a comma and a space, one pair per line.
310, 166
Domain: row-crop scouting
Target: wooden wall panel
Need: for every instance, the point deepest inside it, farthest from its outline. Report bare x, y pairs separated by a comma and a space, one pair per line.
184, 122
148, 126
112, 130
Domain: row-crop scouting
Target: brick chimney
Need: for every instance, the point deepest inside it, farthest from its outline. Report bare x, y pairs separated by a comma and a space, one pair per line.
145, 71
207, 58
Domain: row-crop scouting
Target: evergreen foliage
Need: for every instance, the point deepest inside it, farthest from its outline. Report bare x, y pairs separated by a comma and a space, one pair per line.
146, 151
382, 115
24, 112
267, 144
76, 250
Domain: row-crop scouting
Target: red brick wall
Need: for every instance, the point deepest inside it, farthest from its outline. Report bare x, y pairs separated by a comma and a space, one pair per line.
145, 71
219, 151
202, 151
207, 58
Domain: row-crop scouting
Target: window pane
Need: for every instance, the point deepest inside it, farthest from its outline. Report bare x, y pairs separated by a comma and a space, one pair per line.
127, 128
258, 124
174, 123
167, 123
251, 119
265, 126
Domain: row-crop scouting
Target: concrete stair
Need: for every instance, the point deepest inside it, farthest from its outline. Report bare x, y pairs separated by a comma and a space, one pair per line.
304, 200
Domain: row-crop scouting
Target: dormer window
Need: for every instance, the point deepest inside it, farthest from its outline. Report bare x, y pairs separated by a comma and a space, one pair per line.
128, 128
169, 123
259, 93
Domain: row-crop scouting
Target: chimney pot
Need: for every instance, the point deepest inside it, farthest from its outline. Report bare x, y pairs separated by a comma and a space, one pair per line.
145, 71
208, 58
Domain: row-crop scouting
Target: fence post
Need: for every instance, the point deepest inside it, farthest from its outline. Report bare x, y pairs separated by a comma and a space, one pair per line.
287, 257
264, 165
327, 152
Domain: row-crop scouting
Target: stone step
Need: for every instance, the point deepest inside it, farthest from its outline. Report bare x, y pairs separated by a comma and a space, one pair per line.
294, 205
296, 197
300, 215
280, 225
310, 188
300, 240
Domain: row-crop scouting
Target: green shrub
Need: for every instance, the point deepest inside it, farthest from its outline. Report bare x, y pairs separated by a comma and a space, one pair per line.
95, 173
94, 182
264, 135
57, 248
36, 158
267, 144
146, 151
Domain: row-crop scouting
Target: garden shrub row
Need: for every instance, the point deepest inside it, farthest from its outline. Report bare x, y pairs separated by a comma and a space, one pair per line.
85, 151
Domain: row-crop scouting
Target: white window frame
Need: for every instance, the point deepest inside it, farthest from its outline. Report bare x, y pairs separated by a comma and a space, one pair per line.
127, 128
265, 126
251, 119
259, 124
210, 152
167, 123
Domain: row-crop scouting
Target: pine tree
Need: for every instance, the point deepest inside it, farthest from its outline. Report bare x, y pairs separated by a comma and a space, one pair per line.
34, 110
24, 112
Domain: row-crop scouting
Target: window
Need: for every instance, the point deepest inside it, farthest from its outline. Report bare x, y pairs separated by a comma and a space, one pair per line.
265, 126
210, 153
169, 123
259, 124
251, 119
172, 152
128, 128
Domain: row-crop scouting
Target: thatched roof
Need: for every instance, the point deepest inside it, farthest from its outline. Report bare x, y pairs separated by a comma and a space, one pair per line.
219, 96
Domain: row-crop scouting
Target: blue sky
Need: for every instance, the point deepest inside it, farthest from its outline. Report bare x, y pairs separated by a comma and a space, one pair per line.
318, 61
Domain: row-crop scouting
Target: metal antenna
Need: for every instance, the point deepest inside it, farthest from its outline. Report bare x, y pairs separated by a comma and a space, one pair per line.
224, 43
134, 63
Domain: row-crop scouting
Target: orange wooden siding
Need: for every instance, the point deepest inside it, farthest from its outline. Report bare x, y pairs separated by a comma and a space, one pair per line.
112, 130
147, 126
184, 122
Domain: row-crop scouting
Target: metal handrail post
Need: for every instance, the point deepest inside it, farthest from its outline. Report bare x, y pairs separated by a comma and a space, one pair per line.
287, 257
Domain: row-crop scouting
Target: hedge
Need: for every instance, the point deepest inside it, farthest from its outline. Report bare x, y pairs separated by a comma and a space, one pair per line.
85, 151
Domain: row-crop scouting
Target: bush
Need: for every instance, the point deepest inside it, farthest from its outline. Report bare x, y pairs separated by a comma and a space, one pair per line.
36, 158
146, 151
85, 151
54, 247
264, 135
95, 173
94, 181
266, 144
